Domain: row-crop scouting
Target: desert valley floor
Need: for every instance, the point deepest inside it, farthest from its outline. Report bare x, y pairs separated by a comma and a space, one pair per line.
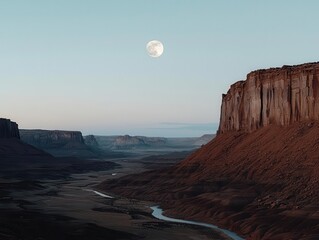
59, 203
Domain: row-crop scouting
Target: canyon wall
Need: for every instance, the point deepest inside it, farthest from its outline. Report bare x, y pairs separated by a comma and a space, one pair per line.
90, 141
8, 129
58, 143
278, 96
46, 139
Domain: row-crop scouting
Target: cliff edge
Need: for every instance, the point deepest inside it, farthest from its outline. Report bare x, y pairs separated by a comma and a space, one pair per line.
58, 143
278, 96
259, 176
47, 139
8, 129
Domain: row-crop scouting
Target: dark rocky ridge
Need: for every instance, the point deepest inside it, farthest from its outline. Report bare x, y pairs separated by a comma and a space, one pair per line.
8, 129
90, 140
51, 139
58, 142
12, 146
278, 96
30, 177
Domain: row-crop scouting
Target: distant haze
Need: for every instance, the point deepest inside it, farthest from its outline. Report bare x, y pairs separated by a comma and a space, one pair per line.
82, 65
161, 130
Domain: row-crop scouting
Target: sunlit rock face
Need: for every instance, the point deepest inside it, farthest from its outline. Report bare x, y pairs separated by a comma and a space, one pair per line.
278, 96
8, 129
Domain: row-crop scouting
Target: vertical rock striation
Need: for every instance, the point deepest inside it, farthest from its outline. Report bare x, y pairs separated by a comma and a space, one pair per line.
278, 96
8, 129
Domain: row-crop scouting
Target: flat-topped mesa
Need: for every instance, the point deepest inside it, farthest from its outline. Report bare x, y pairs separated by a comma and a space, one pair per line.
8, 129
47, 139
278, 96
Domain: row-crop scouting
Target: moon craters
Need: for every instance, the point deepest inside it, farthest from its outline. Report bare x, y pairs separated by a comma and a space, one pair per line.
155, 48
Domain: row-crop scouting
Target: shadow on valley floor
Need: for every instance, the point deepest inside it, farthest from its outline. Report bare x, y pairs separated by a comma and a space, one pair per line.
47, 198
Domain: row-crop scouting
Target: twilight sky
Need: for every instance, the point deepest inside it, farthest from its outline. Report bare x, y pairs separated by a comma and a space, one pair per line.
82, 65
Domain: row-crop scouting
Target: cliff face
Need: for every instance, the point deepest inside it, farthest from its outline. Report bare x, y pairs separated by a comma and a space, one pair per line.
90, 141
278, 96
257, 178
58, 143
47, 139
8, 129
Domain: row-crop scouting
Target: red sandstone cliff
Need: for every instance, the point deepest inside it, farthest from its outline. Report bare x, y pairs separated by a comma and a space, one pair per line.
259, 177
274, 96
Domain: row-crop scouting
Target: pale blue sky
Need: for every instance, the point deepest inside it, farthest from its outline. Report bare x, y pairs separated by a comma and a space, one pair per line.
82, 65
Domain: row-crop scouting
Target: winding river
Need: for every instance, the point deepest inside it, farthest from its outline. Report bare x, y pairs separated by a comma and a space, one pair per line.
98, 193
158, 213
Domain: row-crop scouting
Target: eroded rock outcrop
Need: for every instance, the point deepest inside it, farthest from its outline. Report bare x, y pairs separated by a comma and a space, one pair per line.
52, 139
278, 96
58, 143
8, 129
127, 142
259, 177
131, 142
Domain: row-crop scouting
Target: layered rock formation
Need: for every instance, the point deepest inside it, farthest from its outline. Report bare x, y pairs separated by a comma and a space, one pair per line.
57, 142
52, 139
10, 144
274, 96
262, 185
8, 129
259, 176
127, 142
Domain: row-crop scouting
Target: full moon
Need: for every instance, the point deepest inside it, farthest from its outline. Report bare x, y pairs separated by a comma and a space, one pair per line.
155, 48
